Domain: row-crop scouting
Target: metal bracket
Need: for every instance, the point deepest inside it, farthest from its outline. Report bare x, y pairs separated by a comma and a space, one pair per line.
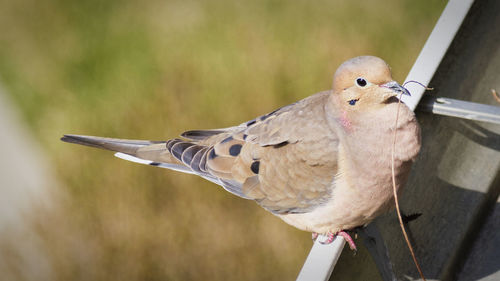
461, 109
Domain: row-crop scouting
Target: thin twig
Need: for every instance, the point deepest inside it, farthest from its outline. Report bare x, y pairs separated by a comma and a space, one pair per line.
413, 81
396, 195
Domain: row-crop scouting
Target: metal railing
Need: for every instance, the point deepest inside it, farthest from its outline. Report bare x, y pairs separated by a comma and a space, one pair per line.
321, 260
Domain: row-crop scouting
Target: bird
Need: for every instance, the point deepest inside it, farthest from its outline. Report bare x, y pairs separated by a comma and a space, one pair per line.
321, 164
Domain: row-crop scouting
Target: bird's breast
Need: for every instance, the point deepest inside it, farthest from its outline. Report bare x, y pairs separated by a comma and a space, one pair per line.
362, 188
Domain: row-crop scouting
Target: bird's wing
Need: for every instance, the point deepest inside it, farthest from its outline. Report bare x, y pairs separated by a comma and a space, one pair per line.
285, 160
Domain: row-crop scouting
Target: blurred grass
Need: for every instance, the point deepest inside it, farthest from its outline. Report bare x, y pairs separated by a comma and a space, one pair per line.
149, 70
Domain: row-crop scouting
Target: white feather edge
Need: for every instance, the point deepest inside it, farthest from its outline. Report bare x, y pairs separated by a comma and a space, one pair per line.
174, 167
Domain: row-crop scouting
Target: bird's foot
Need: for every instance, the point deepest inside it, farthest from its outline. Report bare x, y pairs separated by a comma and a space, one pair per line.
314, 236
330, 238
348, 239
342, 233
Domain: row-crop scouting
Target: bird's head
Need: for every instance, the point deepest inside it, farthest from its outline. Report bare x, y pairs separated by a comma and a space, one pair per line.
363, 84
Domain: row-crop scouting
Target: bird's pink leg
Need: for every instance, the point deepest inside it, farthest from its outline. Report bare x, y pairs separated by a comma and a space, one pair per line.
330, 238
348, 239
345, 235
314, 236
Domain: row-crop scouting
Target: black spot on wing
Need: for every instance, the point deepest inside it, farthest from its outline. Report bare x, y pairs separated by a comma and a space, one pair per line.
200, 134
155, 164
276, 110
250, 123
264, 117
212, 154
235, 149
281, 144
255, 167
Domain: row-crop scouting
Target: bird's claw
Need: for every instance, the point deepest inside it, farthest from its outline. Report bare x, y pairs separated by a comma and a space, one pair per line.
329, 240
348, 239
314, 236
331, 237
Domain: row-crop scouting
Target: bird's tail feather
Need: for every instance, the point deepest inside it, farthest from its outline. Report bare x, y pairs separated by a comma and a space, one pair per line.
152, 152
117, 145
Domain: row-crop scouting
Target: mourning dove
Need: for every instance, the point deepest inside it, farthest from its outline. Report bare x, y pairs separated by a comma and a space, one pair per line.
322, 164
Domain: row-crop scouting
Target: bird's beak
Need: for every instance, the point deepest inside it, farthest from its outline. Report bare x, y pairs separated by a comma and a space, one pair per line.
396, 88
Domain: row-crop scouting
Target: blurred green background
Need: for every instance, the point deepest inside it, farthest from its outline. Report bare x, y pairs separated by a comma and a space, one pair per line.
152, 69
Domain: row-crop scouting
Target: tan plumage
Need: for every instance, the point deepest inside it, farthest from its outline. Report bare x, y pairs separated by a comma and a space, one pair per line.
321, 164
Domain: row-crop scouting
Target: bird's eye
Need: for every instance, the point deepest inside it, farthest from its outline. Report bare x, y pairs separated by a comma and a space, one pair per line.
353, 102
361, 82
